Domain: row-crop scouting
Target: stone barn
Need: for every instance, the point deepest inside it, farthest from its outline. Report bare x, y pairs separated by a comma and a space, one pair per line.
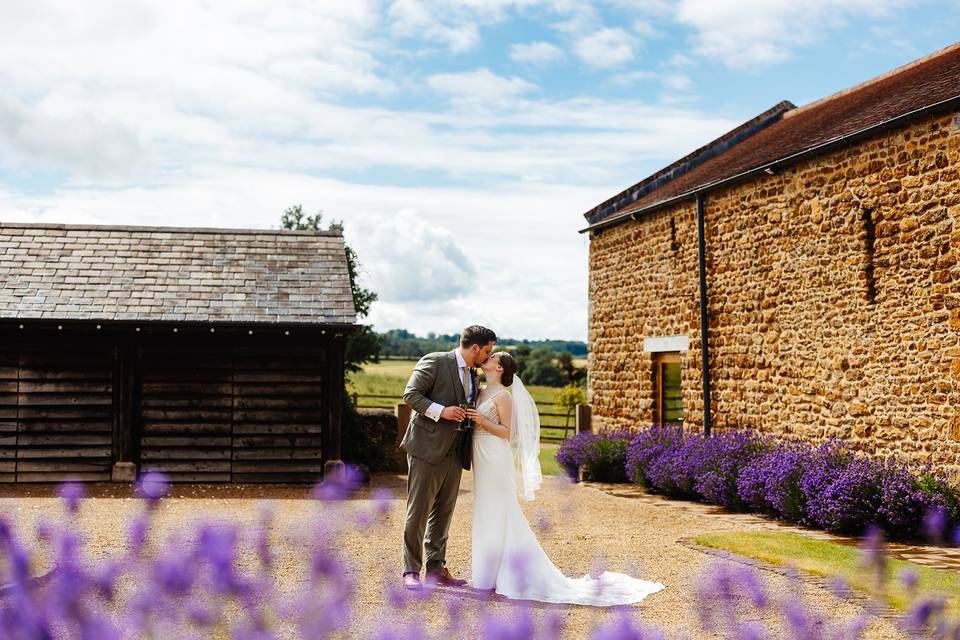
213, 355
799, 274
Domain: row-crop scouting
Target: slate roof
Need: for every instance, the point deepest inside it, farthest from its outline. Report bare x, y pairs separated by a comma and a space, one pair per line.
921, 84
81, 272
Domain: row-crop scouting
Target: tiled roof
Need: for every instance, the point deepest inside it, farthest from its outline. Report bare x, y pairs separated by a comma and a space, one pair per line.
79, 272
920, 84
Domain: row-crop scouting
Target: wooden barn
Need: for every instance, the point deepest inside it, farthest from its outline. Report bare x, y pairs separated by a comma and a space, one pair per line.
214, 355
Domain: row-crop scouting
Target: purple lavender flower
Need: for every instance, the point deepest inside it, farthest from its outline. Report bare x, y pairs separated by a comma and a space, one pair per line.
851, 501
646, 447
901, 500
909, 578
339, 486
672, 473
575, 451
137, 534
935, 524
717, 468
624, 627
153, 486
821, 470
770, 481
922, 614
217, 545
873, 555
519, 626
72, 493
174, 573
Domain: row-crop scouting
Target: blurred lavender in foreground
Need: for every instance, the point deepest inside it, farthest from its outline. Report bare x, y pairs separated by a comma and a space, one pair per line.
194, 584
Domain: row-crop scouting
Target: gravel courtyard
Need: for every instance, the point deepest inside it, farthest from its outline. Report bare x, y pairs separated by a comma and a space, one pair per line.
581, 527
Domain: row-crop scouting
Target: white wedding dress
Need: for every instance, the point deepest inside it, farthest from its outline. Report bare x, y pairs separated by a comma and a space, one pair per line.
506, 555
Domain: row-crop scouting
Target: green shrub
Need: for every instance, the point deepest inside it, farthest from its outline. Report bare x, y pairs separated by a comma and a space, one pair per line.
607, 459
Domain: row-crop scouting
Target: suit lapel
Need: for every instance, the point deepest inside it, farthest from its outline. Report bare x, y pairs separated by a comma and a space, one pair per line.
455, 374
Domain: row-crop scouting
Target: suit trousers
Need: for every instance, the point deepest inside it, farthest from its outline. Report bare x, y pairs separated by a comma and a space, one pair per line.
431, 497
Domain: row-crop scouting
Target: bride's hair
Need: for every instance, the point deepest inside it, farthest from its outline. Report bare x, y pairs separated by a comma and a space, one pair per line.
509, 365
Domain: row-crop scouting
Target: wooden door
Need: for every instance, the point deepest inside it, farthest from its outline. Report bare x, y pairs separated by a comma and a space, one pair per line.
668, 399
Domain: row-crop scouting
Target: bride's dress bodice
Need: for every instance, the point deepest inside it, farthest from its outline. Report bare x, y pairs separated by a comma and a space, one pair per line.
506, 555
488, 410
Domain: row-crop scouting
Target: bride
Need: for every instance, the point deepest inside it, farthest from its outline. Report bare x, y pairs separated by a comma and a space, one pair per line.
506, 555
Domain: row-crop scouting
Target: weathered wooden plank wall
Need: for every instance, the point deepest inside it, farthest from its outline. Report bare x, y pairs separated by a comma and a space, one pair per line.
186, 412
277, 413
236, 415
8, 414
64, 413
198, 410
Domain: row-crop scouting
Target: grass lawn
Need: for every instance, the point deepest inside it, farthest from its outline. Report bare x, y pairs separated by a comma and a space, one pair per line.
548, 460
830, 559
389, 377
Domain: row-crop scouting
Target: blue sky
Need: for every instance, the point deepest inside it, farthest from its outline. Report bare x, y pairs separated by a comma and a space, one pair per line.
458, 141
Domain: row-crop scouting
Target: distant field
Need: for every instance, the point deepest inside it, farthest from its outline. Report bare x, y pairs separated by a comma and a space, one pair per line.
389, 377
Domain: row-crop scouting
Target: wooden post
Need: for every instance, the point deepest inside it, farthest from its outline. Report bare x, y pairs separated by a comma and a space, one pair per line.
334, 395
584, 420
124, 410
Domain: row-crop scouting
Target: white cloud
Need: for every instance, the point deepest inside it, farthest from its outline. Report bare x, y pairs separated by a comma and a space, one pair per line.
677, 82
225, 114
746, 33
644, 29
535, 52
605, 48
410, 260
480, 86
412, 18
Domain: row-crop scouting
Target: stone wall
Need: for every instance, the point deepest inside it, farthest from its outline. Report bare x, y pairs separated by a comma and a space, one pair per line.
833, 296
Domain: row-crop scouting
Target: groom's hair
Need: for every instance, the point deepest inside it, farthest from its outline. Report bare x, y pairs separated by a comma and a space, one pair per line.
477, 335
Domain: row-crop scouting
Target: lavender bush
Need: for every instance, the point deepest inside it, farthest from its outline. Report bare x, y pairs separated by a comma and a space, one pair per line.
822, 468
606, 461
646, 447
851, 501
672, 472
769, 482
826, 486
717, 467
575, 451
195, 586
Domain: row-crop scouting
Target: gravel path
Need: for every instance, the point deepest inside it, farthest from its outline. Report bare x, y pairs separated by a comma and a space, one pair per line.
579, 524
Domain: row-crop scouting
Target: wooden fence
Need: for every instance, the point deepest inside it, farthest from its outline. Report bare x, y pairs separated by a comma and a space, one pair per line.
554, 427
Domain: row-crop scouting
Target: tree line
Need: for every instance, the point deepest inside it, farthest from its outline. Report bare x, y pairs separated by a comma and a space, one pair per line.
541, 362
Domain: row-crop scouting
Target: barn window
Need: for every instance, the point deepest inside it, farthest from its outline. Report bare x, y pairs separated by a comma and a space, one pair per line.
668, 398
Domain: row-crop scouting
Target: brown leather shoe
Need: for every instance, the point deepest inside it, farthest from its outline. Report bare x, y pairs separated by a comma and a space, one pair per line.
411, 581
443, 577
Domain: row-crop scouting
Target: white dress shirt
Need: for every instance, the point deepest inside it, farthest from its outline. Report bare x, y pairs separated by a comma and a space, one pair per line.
434, 411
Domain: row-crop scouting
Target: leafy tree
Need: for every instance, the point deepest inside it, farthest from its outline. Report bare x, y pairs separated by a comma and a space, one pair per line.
571, 372
363, 345
567, 401
540, 368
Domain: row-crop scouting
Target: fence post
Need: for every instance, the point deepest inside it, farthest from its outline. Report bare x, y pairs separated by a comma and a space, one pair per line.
584, 419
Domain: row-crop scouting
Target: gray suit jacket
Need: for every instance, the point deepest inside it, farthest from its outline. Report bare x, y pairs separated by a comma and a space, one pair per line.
434, 379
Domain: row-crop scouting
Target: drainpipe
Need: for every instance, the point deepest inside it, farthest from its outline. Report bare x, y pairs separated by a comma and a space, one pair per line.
704, 321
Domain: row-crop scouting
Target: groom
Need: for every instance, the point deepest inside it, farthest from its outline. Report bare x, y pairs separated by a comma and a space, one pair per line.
439, 383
